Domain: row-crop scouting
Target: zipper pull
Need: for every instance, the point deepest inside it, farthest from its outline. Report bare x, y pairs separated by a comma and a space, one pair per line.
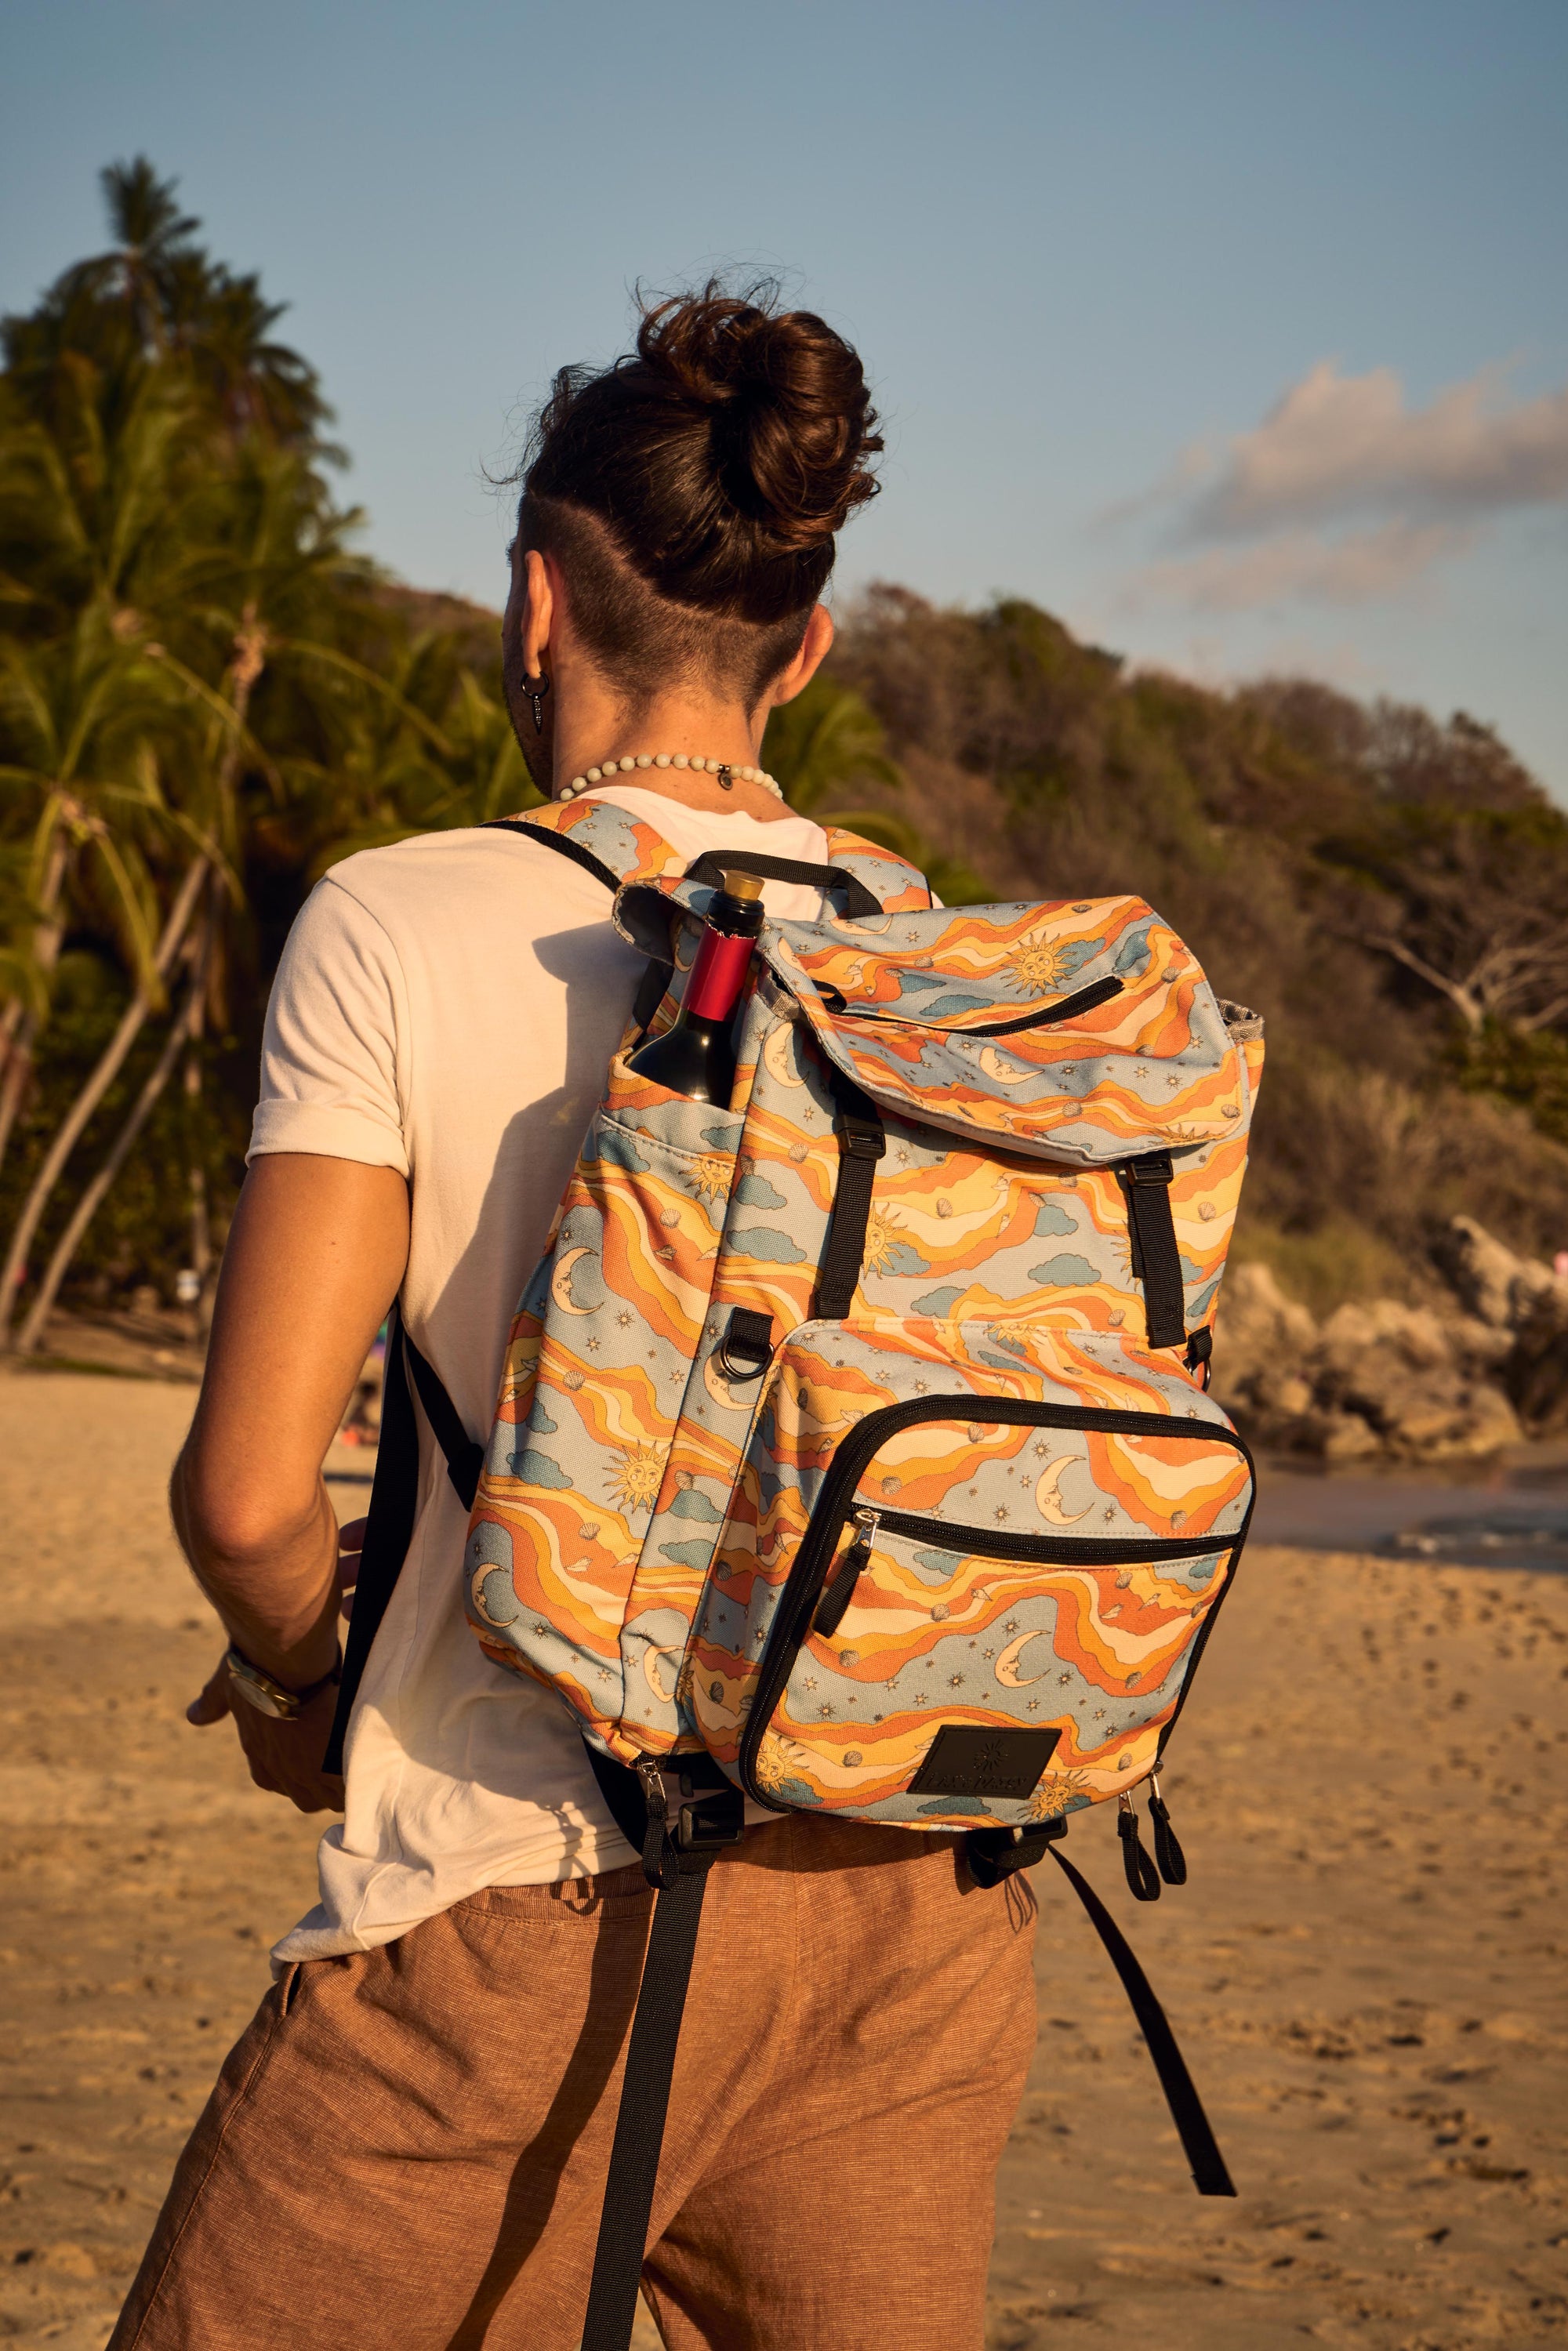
1167, 1849
652, 1782
660, 1863
835, 1600
1143, 1879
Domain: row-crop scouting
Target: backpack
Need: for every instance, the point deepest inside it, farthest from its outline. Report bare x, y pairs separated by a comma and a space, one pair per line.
853, 1451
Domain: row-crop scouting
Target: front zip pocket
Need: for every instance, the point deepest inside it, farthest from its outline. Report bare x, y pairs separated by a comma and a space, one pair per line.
896, 1622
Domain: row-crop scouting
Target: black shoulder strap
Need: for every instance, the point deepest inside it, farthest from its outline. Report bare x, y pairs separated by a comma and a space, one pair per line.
560, 840
394, 1501
993, 1854
713, 864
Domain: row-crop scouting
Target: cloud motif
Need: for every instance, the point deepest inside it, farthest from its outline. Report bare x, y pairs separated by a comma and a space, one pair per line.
770, 1248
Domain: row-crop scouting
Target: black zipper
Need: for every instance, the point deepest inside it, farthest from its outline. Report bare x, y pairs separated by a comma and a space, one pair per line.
1050, 1550
806, 1574
1066, 1008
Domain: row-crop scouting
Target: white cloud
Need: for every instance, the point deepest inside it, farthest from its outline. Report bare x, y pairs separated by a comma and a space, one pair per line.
1299, 564
1345, 494
1341, 445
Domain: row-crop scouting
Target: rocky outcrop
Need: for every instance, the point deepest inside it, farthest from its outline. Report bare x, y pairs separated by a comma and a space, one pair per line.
1406, 1382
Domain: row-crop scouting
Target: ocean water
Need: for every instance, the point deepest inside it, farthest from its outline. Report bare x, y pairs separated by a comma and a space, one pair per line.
1513, 1512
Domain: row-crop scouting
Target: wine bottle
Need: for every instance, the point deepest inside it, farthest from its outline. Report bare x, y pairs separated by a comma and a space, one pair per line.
695, 1055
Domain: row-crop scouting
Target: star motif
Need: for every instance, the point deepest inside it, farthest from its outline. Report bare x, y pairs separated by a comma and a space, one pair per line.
625, 1319
1011, 1626
809, 1682
955, 1681
595, 1346
1033, 1706
1000, 1513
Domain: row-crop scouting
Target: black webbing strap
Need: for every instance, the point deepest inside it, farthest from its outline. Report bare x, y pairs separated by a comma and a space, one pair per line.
394, 1501
465, 1456
561, 841
388, 1528
1156, 1260
862, 1141
1199, 2145
644, 2102
715, 863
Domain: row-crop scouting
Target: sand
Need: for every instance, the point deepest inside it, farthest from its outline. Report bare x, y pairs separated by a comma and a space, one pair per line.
1365, 1970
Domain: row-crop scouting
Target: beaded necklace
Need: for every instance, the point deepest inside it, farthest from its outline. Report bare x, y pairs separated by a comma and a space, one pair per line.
722, 769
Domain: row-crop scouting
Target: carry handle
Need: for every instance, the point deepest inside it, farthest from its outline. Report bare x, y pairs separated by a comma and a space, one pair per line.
715, 863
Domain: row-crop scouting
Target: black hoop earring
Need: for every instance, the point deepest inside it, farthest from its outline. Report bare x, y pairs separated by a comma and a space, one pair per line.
535, 688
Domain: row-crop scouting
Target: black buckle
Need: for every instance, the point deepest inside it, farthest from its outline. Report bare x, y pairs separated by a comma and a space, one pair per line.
860, 1138
1150, 1168
993, 1854
713, 1819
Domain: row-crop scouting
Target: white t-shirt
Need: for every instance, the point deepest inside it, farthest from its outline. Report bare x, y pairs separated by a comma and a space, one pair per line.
448, 1006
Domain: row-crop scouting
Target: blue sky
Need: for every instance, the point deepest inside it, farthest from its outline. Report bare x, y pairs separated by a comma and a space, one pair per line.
1234, 333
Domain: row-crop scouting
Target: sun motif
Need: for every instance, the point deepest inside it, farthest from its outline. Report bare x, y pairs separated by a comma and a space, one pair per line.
635, 1482
883, 1235
1054, 1795
710, 1176
1038, 963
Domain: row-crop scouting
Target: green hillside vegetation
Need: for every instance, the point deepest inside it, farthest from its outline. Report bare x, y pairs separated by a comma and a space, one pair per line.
208, 695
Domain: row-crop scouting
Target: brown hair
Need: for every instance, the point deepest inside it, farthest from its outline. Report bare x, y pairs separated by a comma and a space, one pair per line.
692, 490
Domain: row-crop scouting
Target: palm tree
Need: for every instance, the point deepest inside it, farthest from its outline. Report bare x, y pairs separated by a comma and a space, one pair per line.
83, 718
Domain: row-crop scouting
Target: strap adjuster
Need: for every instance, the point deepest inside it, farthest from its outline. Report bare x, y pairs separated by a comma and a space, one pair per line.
860, 1138
1149, 1167
713, 1820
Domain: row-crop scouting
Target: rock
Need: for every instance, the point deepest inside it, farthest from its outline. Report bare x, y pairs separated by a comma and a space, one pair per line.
1380, 1378
1488, 1281
1526, 1305
1342, 1436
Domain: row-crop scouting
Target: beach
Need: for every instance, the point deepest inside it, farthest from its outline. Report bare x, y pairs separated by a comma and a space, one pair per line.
1365, 1970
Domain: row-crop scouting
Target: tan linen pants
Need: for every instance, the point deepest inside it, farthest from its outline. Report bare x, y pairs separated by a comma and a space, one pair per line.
406, 2149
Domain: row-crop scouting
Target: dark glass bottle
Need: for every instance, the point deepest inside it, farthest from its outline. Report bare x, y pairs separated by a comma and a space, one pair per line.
695, 1055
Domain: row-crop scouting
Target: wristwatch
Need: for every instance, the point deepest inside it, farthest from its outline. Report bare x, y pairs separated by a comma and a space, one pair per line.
268, 1696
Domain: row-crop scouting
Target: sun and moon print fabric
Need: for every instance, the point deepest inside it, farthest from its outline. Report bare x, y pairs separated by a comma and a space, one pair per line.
642, 1507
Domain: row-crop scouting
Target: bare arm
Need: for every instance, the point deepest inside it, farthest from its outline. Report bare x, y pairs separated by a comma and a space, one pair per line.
314, 1259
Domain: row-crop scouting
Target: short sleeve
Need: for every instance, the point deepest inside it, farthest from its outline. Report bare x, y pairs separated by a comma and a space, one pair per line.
332, 1080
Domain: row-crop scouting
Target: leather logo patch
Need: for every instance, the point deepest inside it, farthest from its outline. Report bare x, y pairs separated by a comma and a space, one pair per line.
961, 1761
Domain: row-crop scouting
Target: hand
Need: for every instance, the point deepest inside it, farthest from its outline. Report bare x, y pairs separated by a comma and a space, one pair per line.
284, 1757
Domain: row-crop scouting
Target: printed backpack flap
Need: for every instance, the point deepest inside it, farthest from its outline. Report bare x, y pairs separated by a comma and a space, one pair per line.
1084, 1031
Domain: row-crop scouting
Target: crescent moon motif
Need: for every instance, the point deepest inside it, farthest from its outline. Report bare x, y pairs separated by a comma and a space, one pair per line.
776, 1053
1048, 1494
991, 1062
1007, 1666
650, 1665
718, 1387
560, 1282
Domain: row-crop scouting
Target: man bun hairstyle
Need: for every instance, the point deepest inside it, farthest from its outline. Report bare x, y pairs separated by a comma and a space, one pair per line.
692, 491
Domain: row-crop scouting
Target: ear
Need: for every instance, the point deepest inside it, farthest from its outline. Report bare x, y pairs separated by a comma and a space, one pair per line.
538, 610
815, 647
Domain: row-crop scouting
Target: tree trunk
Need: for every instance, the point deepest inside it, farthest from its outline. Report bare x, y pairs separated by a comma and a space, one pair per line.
249, 661
22, 1024
183, 1030
69, 1130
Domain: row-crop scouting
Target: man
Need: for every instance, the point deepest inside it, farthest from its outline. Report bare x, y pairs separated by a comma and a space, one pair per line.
408, 2146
